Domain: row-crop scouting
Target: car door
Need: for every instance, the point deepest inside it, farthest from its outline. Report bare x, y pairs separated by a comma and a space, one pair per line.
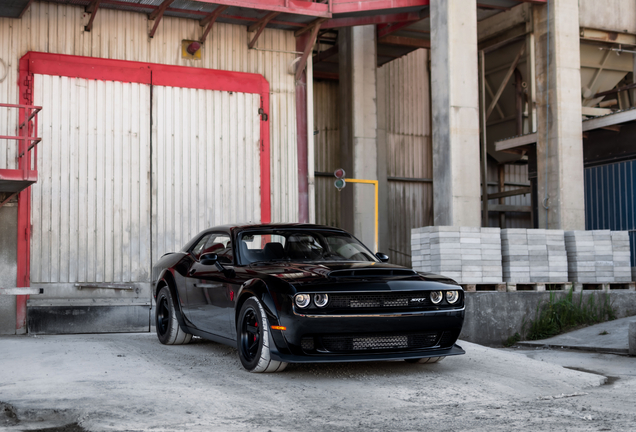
209, 289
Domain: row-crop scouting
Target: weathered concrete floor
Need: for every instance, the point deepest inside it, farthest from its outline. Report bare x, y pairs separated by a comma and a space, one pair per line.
608, 337
131, 382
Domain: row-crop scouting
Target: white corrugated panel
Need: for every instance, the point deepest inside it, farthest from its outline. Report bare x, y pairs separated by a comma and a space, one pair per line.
55, 28
90, 207
405, 86
326, 151
206, 162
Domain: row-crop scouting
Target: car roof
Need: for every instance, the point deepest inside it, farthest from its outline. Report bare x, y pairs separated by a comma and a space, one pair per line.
230, 228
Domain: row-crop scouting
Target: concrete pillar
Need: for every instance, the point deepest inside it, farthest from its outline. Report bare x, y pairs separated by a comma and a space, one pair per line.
631, 335
559, 141
358, 124
8, 265
455, 105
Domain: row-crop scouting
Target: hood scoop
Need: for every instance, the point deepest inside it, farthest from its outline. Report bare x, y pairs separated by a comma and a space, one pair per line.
371, 273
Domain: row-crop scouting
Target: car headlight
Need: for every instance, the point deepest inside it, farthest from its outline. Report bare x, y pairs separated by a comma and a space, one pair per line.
302, 300
321, 300
452, 296
436, 297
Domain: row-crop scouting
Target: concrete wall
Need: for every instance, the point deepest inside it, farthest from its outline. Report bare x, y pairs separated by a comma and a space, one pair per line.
8, 264
614, 15
492, 317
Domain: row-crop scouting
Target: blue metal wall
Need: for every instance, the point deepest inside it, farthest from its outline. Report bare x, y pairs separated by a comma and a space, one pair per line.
610, 201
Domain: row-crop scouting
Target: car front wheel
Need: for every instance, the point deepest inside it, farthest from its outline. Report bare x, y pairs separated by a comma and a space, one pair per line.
253, 339
167, 326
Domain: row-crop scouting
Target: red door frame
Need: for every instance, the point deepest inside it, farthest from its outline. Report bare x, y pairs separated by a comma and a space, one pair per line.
132, 72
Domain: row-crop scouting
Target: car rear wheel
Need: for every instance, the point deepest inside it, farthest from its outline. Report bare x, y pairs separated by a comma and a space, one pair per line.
425, 360
253, 339
167, 326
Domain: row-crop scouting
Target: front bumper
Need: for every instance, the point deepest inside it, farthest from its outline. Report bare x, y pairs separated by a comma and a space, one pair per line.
287, 345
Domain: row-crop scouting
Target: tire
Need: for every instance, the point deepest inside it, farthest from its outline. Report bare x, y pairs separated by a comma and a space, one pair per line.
253, 339
166, 324
425, 360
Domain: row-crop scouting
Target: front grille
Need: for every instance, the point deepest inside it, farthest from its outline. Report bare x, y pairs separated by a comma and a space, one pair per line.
307, 343
448, 338
378, 342
379, 300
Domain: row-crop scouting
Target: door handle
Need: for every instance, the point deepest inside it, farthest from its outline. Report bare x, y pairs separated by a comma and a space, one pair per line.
192, 272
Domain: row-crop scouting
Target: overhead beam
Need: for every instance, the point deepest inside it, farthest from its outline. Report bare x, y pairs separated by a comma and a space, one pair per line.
387, 29
260, 25
310, 45
375, 19
92, 10
501, 88
323, 55
309, 26
156, 15
326, 76
405, 41
515, 192
208, 22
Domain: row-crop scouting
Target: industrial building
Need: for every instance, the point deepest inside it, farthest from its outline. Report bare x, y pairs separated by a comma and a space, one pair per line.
156, 119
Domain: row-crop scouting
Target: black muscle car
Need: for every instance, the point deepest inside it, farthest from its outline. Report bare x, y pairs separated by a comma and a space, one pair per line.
291, 293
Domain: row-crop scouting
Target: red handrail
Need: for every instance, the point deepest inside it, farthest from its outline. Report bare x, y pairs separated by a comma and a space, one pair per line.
26, 138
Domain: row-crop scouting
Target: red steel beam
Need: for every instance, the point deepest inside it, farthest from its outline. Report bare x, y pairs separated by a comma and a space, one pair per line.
297, 7
209, 21
405, 41
308, 48
260, 25
156, 16
326, 75
309, 26
323, 55
91, 9
348, 6
375, 19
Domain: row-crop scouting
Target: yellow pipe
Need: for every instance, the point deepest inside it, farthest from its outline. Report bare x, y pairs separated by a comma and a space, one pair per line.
374, 183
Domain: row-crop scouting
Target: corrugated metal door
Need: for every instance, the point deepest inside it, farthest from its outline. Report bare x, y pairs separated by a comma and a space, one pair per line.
205, 160
610, 199
90, 206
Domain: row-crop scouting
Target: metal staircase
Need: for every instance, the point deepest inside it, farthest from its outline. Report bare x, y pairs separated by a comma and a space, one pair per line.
21, 173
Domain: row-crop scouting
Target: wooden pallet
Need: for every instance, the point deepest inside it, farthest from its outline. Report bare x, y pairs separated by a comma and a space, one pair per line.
493, 287
538, 286
605, 286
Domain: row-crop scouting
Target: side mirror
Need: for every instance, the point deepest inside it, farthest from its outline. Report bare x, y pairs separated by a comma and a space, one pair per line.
382, 257
209, 259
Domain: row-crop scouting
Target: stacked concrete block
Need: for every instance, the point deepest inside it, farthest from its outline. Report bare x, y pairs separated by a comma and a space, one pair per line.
599, 256
465, 254
515, 255
533, 255
581, 258
622, 255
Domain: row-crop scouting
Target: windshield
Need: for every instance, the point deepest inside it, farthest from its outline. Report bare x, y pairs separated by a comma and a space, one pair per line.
302, 246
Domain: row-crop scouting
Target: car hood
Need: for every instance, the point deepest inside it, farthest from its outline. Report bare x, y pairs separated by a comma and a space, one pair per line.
300, 273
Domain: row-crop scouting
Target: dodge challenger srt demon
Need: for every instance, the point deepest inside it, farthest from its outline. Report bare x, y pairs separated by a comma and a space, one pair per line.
295, 293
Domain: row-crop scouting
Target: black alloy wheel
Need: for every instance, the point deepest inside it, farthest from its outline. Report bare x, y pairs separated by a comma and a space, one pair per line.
250, 335
168, 330
253, 339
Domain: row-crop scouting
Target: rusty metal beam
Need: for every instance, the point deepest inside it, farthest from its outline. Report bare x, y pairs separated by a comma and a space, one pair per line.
405, 41
375, 19
309, 26
310, 46
91, 9
323, 55
209, 22
327, 76
260, 25
156, 16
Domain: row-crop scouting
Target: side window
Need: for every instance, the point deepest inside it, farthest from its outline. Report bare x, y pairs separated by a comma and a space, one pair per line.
221, 245
196, 250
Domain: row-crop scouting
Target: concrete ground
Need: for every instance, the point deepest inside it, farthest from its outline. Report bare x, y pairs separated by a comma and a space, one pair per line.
607, 337
131, 382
